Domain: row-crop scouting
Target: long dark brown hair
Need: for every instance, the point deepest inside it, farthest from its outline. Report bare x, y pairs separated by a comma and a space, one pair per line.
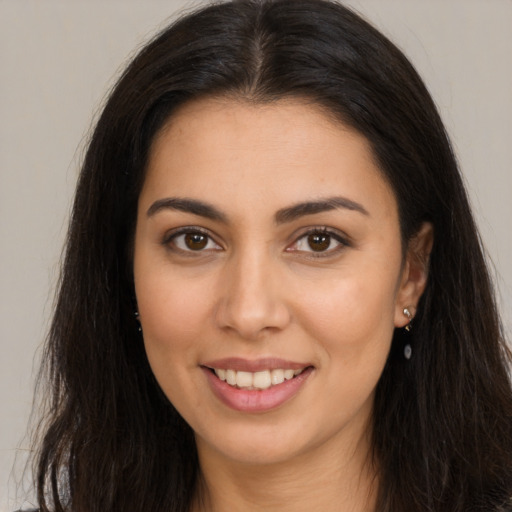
442, 434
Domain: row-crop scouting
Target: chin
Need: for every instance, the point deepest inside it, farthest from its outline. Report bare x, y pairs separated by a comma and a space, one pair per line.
255, 452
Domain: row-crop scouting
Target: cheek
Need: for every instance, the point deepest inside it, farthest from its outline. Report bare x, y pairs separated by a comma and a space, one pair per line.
353, 329
174, 313
353, 315
173, 320
172, 316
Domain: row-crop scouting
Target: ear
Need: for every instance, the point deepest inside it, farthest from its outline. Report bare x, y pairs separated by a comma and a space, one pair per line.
414, 273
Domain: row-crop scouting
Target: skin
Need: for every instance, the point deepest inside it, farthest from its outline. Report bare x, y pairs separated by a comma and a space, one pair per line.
258, 289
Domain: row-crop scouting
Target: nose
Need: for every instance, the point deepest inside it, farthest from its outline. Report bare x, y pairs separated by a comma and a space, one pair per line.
252, 299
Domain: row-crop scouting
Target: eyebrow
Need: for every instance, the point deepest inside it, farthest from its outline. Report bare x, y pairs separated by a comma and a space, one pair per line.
322, 205
188, 206
282, 216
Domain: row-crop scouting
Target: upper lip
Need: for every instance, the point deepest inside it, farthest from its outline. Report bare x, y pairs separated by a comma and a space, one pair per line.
254, 365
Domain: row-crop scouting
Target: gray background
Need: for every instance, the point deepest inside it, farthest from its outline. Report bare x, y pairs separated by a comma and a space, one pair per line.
59, 58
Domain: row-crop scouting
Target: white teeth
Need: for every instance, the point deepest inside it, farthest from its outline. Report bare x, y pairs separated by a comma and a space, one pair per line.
244, 379
277, 377
231, 377
256, 380
221, 374
262, 380
288, 374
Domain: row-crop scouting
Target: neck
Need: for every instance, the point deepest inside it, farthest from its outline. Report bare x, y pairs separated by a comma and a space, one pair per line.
323, 479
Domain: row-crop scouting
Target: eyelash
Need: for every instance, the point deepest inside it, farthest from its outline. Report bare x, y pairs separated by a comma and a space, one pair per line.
170, 241
341, 240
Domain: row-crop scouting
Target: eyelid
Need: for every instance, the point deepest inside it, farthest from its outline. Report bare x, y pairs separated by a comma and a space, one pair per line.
340, 237
184, 230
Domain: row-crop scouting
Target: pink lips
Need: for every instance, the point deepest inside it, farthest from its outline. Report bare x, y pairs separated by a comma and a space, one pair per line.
244, 365
254, 401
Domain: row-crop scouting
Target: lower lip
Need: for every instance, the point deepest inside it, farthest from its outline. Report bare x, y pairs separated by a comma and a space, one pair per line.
256, 400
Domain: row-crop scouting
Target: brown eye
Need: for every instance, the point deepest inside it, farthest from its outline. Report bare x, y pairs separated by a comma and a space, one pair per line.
195, 241
191, 240
319, 242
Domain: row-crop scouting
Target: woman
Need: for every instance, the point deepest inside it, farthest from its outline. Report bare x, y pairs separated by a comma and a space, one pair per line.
274, 295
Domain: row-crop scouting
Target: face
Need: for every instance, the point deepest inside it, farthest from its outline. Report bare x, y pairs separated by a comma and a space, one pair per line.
269, 277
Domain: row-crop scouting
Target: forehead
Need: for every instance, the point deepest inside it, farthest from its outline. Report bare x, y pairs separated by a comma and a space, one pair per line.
231, 151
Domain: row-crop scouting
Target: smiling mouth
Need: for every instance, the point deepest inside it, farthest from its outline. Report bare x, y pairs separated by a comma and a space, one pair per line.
256, 380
